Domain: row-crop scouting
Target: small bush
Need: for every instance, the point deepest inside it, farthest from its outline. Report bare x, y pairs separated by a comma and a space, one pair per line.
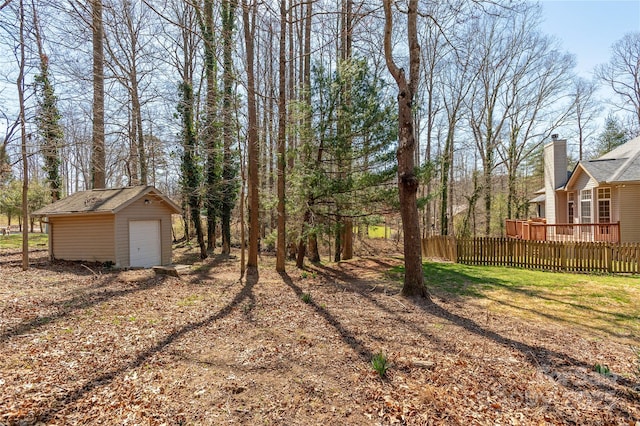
380, 364
602, 369
306, 297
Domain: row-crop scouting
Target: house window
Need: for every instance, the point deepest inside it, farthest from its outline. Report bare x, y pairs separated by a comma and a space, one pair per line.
585, 206
570, 209
604, 205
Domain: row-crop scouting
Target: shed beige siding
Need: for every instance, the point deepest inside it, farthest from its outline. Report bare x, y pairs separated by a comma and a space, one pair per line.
629, 223
83, 237
138, 210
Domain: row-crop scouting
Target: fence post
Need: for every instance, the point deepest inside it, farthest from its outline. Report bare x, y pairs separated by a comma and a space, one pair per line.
454, 249
608, 257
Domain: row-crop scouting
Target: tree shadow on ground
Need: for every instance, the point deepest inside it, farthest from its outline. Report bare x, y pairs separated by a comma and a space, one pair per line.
366, 288
203, 271
545, 360
549, 362
441, 280
357, 345
246, 292
84, 300
39, 258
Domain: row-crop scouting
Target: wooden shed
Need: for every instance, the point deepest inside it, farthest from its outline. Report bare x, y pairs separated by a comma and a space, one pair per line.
130, 227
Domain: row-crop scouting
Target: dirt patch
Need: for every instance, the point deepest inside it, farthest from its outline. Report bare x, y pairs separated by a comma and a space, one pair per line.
99, 346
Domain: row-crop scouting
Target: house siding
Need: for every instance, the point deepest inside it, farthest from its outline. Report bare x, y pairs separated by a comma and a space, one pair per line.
615, 204
138, 210
629, 223
88, 238
584, 182
561, 207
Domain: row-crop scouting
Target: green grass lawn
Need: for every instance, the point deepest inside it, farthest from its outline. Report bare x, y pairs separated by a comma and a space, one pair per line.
377, 231
14, 241
597, 304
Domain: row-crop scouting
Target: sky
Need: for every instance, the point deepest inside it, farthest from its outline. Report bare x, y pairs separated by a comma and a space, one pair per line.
588, 28
585, 28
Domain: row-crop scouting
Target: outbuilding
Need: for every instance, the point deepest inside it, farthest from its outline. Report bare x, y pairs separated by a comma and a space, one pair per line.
128, 227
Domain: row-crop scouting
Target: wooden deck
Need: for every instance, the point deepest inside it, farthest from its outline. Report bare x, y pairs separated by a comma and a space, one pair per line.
538, 230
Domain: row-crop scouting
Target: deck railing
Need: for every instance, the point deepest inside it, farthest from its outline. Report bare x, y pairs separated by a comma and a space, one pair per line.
537, 230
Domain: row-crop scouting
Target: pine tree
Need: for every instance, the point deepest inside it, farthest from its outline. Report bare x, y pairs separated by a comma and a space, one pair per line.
613, 135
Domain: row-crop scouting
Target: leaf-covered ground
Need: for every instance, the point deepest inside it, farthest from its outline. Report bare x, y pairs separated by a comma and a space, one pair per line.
85, 345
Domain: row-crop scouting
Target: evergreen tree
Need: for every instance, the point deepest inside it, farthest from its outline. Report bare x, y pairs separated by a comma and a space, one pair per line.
613, 135
347, 169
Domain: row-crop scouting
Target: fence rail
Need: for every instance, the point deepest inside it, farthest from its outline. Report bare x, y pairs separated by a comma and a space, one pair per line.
547, 255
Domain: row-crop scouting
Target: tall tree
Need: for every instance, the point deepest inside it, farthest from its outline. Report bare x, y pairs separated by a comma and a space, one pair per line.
248, 20
501, 43
229, 169
455, 84
191, 173
98, 157
130, 43
23, 135
48, 116
282, 128
613, 135
211, 131
535, 94
586, 109
622, 74
407, 179
191, 170
307, 232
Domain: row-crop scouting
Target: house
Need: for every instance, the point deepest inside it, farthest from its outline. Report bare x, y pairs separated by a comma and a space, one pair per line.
598, 201
129, 227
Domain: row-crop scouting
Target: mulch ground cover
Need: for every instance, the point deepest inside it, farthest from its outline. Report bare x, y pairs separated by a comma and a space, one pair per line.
82, 344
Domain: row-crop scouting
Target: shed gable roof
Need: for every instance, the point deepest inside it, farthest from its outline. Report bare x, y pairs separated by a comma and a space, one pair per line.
109, 200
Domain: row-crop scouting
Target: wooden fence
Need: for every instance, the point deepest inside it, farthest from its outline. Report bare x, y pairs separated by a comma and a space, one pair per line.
547, 255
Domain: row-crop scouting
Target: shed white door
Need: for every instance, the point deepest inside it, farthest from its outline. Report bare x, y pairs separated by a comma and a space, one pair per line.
144, 243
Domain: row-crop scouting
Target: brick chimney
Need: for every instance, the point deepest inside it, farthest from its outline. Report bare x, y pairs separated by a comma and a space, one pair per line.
555, 174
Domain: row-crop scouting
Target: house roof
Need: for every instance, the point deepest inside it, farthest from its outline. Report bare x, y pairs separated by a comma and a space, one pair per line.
621, 164
602, 170
110, 200
539, 199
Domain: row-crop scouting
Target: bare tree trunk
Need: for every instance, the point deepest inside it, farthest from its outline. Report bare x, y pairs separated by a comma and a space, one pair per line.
282, 127
407, 180
243, 236
139, 135
314, 254
23, 145
98, 157
252, 151
228, 172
